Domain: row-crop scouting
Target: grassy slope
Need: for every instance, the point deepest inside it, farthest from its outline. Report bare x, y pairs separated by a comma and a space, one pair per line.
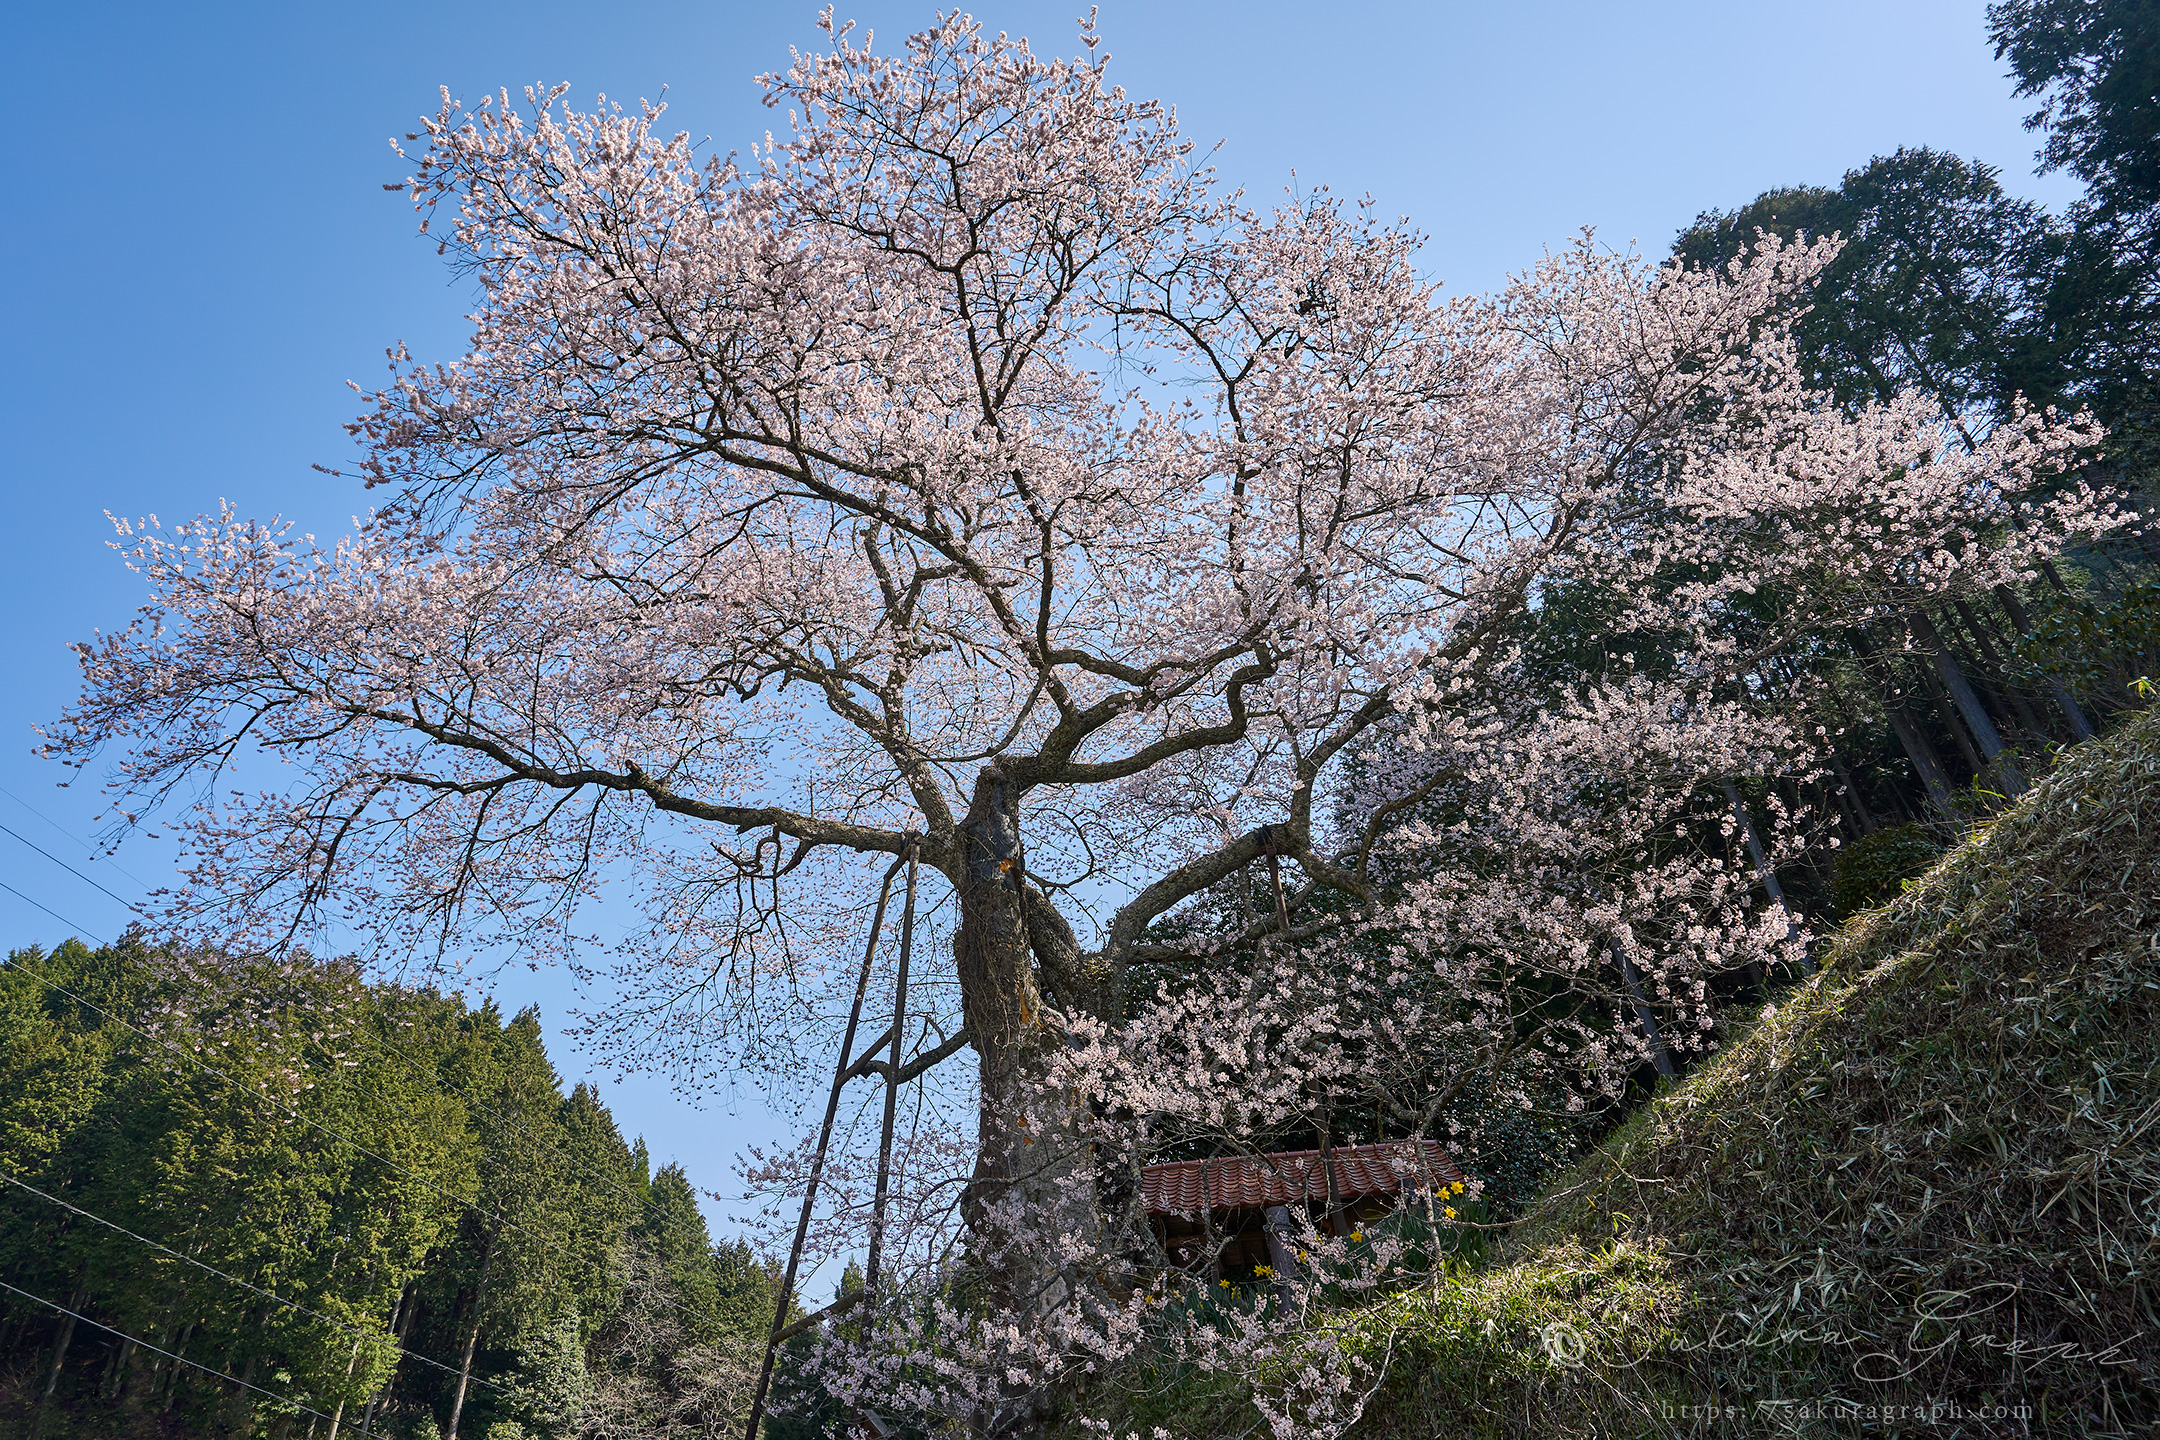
1932, 1176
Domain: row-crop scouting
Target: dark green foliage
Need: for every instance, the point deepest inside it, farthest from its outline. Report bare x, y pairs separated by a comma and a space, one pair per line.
550, 1391
2095, 66
1909, 1183
674, 1234
1874, 868
2111, 646
404, 1168
1937, 286
1514, 1152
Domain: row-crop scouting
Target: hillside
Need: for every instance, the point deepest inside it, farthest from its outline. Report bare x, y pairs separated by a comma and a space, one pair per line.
1922, 1195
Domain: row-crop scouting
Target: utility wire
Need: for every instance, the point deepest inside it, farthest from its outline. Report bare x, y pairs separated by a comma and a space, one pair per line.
67, 867
502, 1220
52, 912
182, 1359
62, 829
554, 1246
502, 1119
380, 1042
243, 1284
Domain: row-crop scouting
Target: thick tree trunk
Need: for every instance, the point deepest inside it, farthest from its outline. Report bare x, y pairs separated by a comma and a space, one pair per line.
1849, 796
998, 989
1946, 710
2001, 687
1029, 1156
1925, 762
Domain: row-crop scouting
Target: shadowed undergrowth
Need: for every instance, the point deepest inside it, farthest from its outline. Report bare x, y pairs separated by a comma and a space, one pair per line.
1922, 1196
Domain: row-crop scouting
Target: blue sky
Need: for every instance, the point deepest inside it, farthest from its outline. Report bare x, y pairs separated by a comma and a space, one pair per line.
200, 252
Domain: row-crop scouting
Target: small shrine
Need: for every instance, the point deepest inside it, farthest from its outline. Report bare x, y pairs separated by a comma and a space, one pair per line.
1217, 1212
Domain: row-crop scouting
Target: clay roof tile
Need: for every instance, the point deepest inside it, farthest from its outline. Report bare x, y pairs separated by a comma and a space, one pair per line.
1240, 1182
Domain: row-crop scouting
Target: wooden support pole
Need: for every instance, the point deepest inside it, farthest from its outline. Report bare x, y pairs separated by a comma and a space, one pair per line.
892, 1085
817, 1163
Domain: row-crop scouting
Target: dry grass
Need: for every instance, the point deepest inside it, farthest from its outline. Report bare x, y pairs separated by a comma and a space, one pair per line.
1931, 1179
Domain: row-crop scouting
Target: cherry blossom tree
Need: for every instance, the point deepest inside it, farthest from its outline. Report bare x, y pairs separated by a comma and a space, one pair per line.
968, 474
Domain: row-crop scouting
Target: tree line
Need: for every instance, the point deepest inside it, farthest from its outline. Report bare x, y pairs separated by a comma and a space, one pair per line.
1949, 285
308, 1204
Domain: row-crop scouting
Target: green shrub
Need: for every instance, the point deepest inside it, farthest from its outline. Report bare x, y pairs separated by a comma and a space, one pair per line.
1875, 868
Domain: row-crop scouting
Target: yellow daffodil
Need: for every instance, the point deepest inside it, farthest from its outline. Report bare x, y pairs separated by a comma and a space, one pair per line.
1449, 1212
1357, 1234
1263, 1269
1224, 1283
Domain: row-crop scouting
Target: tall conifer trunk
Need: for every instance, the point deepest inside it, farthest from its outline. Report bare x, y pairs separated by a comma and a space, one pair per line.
1968, 705
472, 1340
60, 1349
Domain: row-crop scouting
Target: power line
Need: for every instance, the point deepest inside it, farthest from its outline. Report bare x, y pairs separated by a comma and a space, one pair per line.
563, 1152
62, 829
502, 1118
289, 1110
52, 912
182, 1359
243, 1284
506, 1222
556, 1247
65, 866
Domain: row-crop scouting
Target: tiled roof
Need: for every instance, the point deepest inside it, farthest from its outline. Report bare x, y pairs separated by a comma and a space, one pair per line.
1253, 1181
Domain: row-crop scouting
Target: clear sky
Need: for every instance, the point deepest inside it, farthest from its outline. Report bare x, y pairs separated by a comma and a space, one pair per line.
199, 252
